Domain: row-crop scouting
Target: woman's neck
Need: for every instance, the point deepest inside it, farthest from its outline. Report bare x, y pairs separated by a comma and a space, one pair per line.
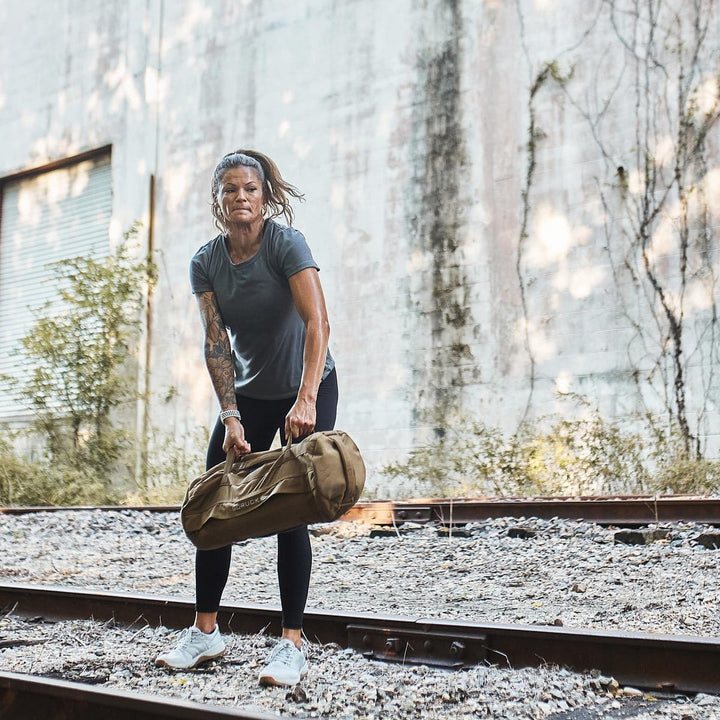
243, 240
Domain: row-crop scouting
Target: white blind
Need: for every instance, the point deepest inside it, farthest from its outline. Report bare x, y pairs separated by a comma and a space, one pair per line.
58, 214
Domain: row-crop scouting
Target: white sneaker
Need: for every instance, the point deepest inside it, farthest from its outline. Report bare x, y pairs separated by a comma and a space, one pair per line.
285, 665
194, 647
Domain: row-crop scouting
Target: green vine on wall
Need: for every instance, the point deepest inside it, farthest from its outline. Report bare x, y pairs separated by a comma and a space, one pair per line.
549, 72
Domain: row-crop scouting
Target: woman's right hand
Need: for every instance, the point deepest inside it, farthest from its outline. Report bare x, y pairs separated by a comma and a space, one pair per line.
235, 437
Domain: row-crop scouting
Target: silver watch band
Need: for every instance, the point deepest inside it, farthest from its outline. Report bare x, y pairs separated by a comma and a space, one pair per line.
225, 414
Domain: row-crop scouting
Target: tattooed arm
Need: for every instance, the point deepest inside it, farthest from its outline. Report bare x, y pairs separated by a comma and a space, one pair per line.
218, 358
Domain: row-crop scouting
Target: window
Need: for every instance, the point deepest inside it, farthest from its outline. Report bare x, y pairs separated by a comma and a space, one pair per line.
46, 217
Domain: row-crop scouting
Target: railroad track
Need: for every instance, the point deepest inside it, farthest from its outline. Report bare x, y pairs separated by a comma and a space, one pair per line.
674, 664
622, 511
678, 664
26, 697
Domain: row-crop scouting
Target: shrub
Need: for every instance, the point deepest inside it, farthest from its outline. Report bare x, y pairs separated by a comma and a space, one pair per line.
25, 483
555, 456
77, 373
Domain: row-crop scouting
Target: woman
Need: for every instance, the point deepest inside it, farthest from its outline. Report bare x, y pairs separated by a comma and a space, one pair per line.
266, 336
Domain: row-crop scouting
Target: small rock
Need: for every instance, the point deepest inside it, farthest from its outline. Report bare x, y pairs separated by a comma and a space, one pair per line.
644, 536
709, 540
446, 532
410, 526
521, 532
297, 695
382, 532
608, 683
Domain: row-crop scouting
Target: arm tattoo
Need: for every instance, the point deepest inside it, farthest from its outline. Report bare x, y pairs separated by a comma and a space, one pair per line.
218, 355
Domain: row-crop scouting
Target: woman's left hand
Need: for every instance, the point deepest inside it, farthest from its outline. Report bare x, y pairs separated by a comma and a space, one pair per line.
301, 419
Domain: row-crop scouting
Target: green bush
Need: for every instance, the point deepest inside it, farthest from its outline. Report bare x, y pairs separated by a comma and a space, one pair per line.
170, 468
555, 456
78, 376
25, 483
688, 477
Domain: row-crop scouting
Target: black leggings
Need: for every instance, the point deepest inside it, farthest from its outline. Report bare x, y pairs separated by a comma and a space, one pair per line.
261, 419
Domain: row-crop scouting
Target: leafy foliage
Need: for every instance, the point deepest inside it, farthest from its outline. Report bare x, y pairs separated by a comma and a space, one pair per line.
78, 369
589, 455
43, 482
79, 349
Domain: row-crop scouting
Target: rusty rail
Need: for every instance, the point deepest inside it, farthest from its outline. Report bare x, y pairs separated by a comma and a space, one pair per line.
28, 509
645, 660
622, 511
29, 697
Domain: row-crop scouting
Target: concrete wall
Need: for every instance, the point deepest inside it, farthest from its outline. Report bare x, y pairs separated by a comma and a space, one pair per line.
406, 125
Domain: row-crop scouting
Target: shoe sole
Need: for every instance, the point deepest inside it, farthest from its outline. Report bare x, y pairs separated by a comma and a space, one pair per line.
270, 681
201, 659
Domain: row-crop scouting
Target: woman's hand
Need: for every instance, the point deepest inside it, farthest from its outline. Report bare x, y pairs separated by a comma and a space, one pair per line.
301, 418
235, 437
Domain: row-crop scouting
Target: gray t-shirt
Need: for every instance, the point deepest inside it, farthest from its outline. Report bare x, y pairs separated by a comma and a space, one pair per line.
267, 335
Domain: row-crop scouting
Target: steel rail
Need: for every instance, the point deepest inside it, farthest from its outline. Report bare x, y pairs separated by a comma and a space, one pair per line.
645, 660
622, 511
30, 509
31, 697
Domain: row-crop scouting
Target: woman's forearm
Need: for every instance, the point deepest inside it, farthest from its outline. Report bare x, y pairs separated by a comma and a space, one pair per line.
218, 359
314, 353
218, 354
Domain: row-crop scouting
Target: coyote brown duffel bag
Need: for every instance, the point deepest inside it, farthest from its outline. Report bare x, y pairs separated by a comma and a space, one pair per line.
263, 493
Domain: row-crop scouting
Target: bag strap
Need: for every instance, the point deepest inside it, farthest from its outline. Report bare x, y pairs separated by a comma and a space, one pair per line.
253, 458
229, 460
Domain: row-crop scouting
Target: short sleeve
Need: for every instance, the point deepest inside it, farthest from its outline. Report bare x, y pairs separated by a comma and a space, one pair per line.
199, 279
292, 253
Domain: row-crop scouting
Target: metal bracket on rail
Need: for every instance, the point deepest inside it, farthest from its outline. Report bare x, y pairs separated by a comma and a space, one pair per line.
417, 647
412, 513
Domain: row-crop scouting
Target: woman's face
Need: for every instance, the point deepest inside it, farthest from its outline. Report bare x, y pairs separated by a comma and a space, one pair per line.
240, 196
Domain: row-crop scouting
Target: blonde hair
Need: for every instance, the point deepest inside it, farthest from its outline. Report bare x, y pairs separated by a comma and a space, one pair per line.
276, 191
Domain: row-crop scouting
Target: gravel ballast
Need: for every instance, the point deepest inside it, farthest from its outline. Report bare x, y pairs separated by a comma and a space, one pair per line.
526, 571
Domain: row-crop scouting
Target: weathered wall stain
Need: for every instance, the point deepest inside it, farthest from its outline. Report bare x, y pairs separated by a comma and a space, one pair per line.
435, 221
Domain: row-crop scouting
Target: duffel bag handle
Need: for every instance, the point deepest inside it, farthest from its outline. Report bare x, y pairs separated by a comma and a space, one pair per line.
229, 460
252, 458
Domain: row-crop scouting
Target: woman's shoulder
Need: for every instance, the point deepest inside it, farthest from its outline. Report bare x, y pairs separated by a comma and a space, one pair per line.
287, 249
282, 235
205, 253
204, 266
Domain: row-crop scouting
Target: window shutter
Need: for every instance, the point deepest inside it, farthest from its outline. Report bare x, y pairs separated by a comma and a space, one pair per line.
51, 216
